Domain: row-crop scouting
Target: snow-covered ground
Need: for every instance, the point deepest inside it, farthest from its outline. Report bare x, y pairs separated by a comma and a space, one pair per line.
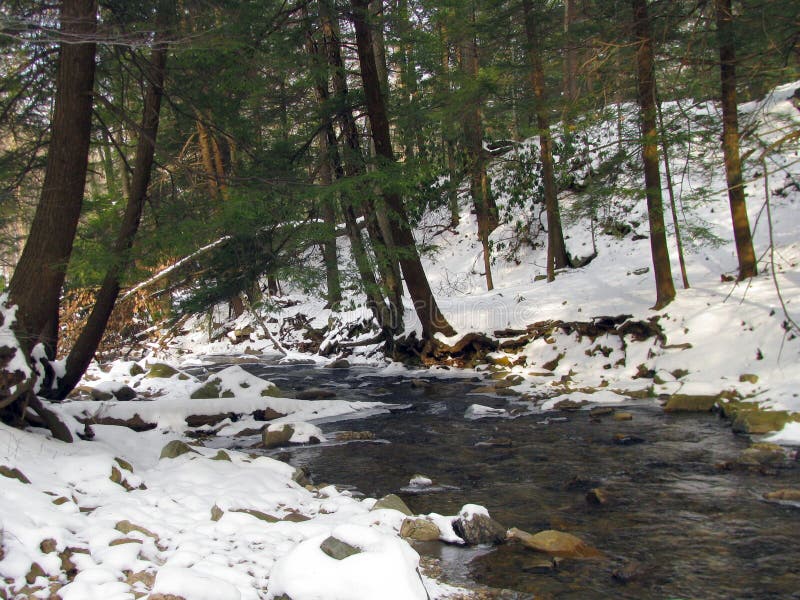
110, 519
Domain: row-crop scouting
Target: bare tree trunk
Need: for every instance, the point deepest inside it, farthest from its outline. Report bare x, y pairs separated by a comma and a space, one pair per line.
730, 141
430, 316
671, 190
89, 339
665, 289
36, 284
557, 257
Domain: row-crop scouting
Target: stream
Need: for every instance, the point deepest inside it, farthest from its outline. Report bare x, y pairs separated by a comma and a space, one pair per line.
676, 524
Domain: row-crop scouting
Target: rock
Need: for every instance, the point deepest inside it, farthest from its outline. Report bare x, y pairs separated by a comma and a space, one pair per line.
207, 420
165, 597
221, 455
301, 476
419, 384
126, 527
176, 448
277, 437
393, 502
623, 416
570, 405
748, 378
690, 403
47, 546
136, 369
13, 473
211, 389
786, 495
337, 549
354, 436
216, 513
261, 516
627, 572
60, 500
421, 530
315, 394
124, 464
622, 439
100, 395
601, 411
341, 363
161, 371
124, 540
143, 578
476, 527
124, 393
761, 455
136, 423
597, 497
555, 543
757, 421
295, 517
36, 571
267, 414
272, 391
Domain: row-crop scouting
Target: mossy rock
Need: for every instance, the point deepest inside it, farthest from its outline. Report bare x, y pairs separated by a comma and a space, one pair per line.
221, 455
272, 392
690, 403
211, 389
757, 421
748, 378
161, 371
136, 369
393, 502
124, 464
175, 449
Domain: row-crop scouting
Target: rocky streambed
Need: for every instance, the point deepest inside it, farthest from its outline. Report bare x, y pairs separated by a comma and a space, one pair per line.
672, 505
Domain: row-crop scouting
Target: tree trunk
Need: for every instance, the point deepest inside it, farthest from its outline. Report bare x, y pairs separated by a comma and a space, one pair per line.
36, 284
430, 316
665, 289
556, 248
86, 345
485, 208
730, 141
570, 53
449, 136
377, 224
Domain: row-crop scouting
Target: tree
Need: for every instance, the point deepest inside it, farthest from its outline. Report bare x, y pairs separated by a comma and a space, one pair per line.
39, 275
730, 140
431, 318
557, 257
85, 346
645, 70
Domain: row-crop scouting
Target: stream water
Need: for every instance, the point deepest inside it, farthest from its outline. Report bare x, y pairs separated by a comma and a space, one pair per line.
682, 526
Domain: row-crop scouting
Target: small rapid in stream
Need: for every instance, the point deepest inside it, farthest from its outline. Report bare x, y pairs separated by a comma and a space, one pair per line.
675, 524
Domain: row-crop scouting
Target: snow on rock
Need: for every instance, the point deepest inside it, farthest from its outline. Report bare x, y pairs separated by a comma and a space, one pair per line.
478, 411
383, 567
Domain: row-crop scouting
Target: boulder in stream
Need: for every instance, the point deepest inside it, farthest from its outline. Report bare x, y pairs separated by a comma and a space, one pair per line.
277, 436
555, 543
475, 526
421, 530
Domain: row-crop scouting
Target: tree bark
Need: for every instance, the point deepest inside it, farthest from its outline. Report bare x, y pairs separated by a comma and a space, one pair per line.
665, 289
427, 310
87, 342
730, 141
38, 278
557, 257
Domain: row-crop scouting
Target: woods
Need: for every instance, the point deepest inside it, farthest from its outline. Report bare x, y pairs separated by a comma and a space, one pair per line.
269, 133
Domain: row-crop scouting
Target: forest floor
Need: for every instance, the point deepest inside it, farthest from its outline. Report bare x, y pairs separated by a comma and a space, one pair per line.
123, 514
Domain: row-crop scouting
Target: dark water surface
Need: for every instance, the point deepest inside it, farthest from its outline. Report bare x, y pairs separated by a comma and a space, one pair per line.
693, 529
